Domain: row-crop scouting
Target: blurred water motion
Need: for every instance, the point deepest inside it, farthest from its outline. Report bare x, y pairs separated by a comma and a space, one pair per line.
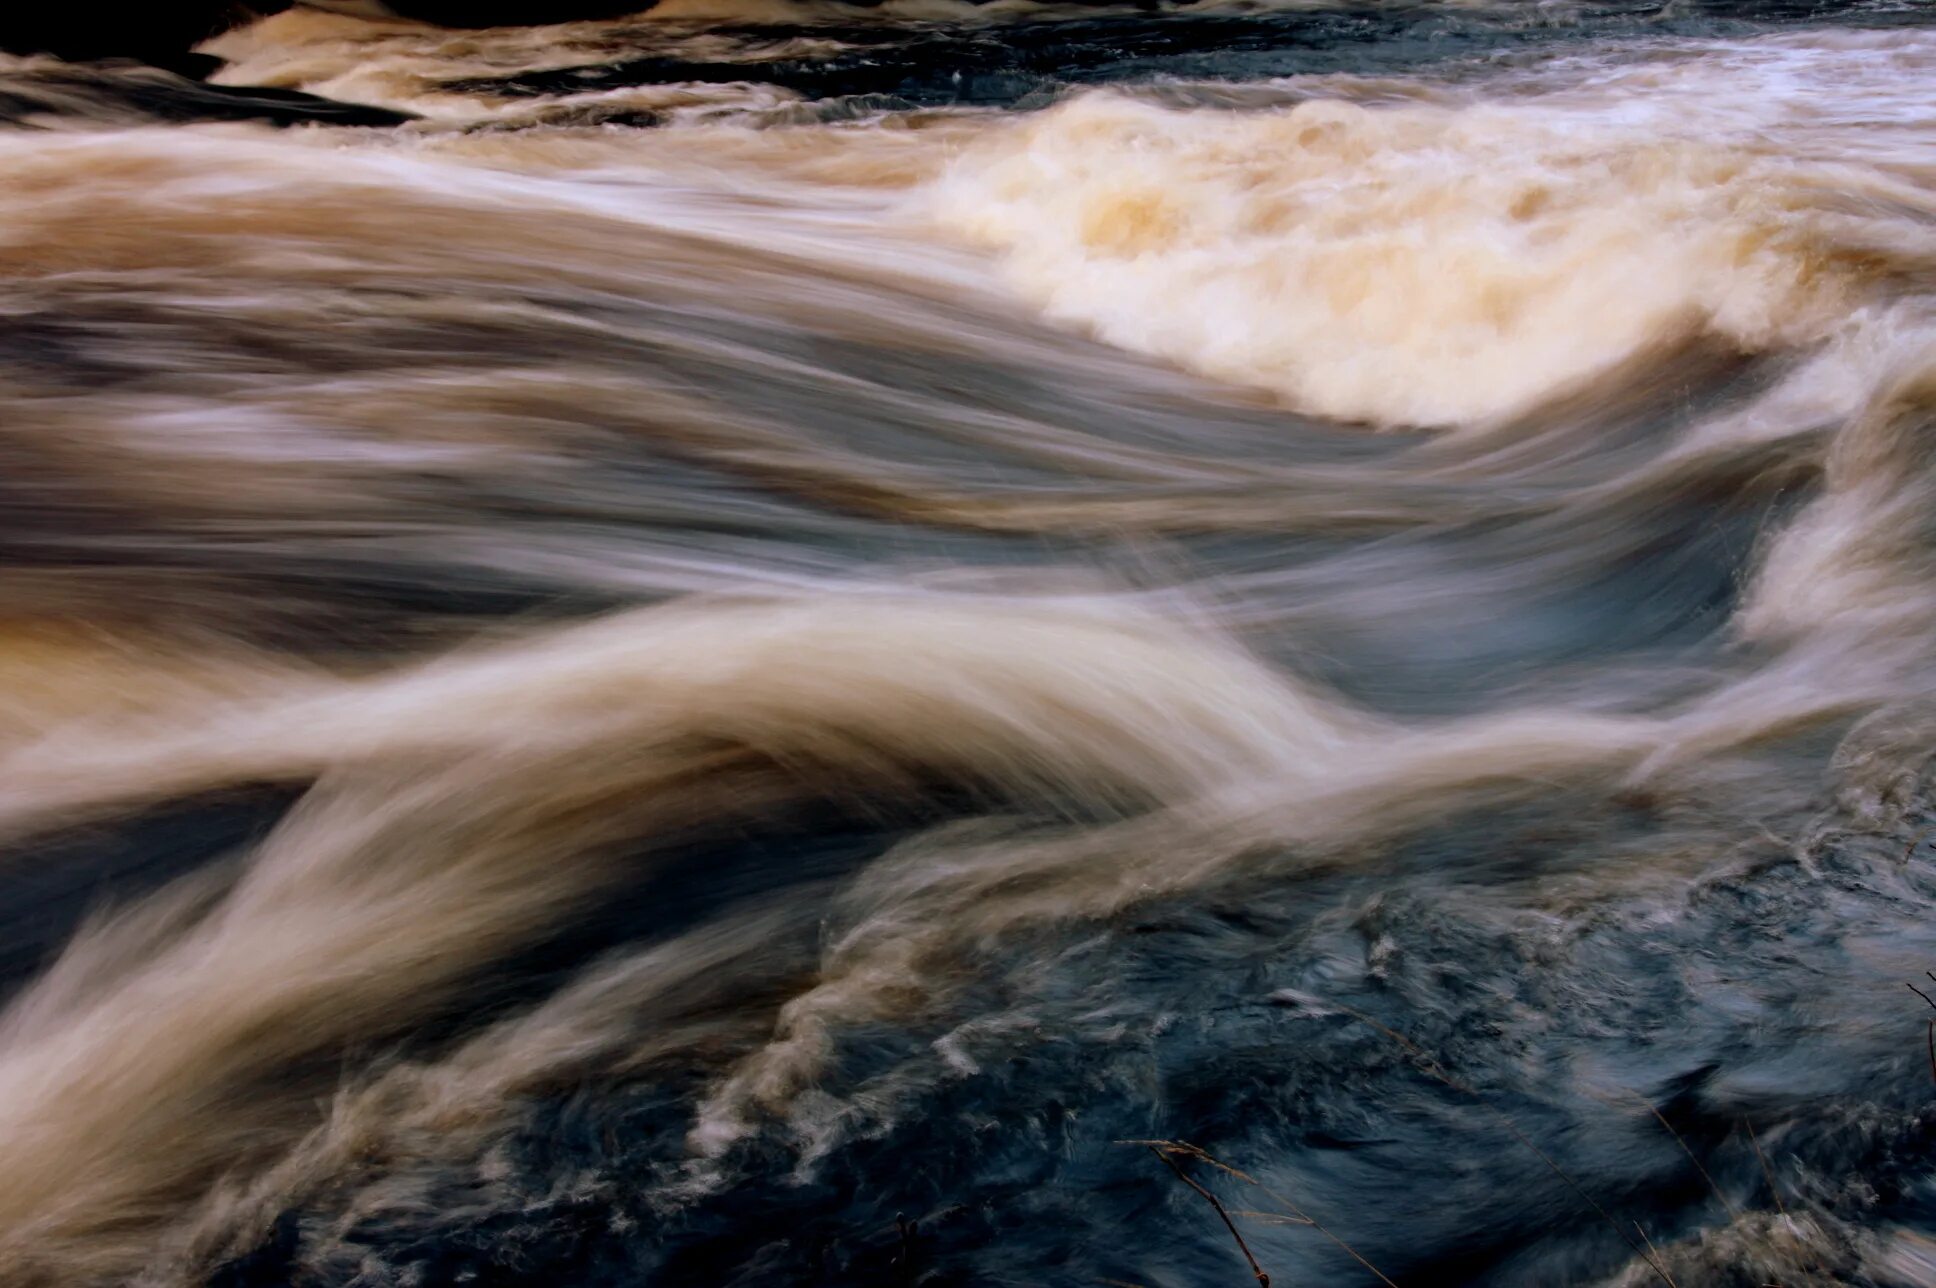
700, 630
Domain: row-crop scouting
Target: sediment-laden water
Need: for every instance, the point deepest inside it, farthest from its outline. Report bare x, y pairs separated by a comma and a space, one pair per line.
725, 647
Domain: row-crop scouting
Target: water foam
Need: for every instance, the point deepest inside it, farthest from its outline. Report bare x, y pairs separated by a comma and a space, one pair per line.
1439, 264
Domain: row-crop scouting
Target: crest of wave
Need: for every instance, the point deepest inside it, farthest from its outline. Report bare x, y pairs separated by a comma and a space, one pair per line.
1440, 263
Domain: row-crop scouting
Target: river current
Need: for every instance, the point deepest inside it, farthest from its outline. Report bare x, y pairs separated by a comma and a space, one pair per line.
735, 647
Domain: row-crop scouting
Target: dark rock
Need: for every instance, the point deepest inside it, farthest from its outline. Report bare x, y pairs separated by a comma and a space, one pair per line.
115, 93
140, 65
160, 32
512, 13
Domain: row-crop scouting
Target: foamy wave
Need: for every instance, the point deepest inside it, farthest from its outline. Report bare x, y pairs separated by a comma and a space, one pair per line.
1435, 265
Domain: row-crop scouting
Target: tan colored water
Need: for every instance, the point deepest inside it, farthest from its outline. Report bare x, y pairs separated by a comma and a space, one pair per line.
547, 502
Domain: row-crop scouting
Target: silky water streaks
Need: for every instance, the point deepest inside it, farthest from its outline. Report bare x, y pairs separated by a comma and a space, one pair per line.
724, 646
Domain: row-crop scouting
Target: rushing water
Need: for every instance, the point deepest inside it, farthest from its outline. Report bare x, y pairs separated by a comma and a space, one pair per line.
727, 627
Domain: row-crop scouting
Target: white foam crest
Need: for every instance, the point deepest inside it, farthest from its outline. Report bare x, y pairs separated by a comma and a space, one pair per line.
1855, 564
1426, 264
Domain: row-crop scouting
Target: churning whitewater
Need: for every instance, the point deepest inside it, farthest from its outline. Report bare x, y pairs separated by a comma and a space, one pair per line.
736, 646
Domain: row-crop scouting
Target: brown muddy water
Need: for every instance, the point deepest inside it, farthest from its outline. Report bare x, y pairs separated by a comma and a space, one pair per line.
719, 630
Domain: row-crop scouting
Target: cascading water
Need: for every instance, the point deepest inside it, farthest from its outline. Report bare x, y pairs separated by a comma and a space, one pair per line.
724, 647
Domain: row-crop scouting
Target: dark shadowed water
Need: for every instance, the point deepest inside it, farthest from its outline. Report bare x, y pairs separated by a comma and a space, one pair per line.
733, 647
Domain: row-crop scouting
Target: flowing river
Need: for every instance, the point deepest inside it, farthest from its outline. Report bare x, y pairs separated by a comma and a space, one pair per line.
730, 647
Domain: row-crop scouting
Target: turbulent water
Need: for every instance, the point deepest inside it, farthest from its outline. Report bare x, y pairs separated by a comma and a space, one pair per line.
726, 647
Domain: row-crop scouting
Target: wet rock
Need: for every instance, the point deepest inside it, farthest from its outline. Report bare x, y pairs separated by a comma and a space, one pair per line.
507, 13
119, 93
160, 34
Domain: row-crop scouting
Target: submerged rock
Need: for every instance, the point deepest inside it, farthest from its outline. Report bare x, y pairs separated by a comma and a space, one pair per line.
163, 35
142, 66
38, 91
494, 13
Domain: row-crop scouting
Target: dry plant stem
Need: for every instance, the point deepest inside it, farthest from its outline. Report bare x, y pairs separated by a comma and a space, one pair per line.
1932, 1024
1733, 1212
1297, 1214
1766, 1170
1203, 1155
1661, 1265
1263, 1279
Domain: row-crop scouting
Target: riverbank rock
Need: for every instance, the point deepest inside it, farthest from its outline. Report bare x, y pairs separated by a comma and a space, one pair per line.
499, 13
39, 91
164, 33
161, 34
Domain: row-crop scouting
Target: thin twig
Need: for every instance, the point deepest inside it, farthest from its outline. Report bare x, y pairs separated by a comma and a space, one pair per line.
1919, 993
1263, 1280
1203, 1155
1732, 1211
1656, 1251
1932, 1050
1766, 1170
1773, 1188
